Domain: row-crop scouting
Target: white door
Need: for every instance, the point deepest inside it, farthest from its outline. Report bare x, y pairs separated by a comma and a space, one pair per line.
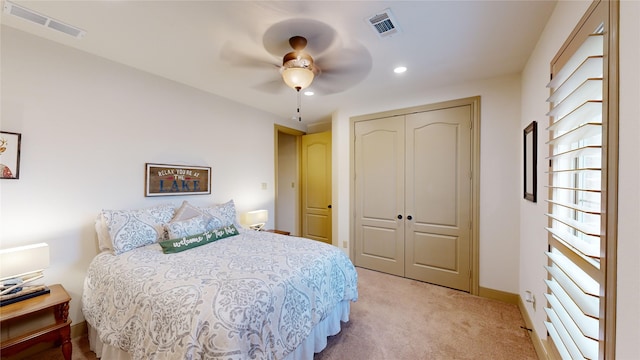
379, 194
438, 197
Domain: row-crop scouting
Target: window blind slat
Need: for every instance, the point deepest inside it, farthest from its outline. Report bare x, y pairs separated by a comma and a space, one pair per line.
587, 347
589, 90
563, 335
581, 132
588, 325
587, 250
588, 112
587, 303
592, 46
583, 151
576, 170
564, 353
582, 209
574, 189
581, 278
584, 228
590, 68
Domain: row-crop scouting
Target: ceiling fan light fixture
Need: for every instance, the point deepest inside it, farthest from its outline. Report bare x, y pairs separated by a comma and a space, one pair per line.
297, 78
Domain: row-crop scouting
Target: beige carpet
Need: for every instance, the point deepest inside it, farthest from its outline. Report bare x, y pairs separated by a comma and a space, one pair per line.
397, 319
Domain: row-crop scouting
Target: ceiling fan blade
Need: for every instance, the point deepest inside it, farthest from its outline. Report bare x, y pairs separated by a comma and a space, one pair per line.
237, 58
272, 87
342, 69
319, 35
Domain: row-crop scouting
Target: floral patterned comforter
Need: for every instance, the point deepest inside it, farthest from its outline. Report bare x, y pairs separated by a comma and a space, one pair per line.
256, 295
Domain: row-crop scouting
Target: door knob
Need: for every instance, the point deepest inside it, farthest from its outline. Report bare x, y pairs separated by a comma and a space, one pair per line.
409, 217
399, 216
329, 206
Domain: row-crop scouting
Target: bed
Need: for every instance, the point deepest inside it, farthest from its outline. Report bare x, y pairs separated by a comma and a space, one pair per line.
243, 295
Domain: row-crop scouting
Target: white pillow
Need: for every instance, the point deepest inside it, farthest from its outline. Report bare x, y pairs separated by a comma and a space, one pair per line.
104, 239
183, 228
222, 215
130, 229
186, 211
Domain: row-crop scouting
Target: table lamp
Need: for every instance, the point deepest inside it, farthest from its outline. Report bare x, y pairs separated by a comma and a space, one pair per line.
256, 219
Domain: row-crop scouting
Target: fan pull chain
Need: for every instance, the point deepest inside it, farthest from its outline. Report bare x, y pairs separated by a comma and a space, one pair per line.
299, 104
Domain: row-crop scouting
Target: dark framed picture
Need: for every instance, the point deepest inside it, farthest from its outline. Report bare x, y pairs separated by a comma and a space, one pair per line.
10, 155
530, 141
163, 179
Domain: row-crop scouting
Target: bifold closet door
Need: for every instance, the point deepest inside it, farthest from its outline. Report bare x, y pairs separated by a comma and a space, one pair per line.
379, 194
413, 195
438, 196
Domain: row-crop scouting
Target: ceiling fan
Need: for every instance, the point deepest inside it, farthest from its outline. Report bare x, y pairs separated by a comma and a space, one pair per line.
313, 56
334, 66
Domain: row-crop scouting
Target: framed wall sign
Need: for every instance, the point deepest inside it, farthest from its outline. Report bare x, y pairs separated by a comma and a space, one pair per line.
162, 179
530, 142
10, 155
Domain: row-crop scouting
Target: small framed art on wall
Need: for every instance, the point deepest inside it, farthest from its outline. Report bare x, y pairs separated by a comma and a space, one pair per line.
10, 155
530, 141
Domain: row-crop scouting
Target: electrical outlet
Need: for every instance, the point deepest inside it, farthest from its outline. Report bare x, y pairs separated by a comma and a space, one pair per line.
533, 301
264, 186
530, 298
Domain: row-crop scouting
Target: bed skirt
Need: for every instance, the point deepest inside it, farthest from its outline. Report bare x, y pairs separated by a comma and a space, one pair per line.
315, 342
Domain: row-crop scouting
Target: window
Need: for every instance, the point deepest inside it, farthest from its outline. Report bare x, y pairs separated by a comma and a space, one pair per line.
582, 164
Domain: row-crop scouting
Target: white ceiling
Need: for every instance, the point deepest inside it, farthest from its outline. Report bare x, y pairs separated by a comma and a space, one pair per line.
231, 48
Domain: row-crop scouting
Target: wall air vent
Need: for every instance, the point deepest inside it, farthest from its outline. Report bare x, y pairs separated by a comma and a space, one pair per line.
384, 23
30, 15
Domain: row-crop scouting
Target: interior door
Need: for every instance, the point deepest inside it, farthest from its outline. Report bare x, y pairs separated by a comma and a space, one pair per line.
379, 194
316, 186
438, 196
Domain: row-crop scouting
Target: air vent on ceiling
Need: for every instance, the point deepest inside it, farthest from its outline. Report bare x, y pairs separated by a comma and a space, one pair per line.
30, 15
384, 23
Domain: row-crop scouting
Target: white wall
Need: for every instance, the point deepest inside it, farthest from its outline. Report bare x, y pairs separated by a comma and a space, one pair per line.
628, 296
533, 238
500, 184
89, 125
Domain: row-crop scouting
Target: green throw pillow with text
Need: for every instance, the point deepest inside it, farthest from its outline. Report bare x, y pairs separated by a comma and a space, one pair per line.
189, 242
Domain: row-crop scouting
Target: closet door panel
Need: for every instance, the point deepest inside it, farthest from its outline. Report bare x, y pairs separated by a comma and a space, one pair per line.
379, 194
438, 196
435, 251
432, 153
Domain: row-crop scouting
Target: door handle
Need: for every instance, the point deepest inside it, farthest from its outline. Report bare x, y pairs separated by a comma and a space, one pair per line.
329, 206
399, 217
409, 217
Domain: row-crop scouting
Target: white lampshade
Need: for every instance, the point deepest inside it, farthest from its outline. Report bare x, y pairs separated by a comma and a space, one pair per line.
256, 219
297, 78
23, 260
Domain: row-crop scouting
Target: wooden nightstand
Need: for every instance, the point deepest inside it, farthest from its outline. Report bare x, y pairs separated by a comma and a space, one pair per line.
279, 232
57, 329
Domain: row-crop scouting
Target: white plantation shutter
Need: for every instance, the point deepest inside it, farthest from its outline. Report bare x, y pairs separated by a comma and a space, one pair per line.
577, 191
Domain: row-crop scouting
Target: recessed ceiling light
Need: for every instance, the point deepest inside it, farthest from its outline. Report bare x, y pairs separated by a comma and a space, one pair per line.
400, 69
309, 93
